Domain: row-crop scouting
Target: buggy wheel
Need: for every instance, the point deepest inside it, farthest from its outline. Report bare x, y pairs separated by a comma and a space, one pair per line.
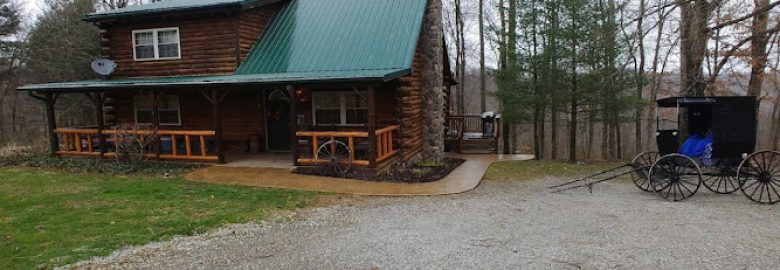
759, 176
724, 181
641, 165
335, 158
675, 177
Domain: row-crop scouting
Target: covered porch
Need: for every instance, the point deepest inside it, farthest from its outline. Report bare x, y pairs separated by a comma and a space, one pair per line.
292, 122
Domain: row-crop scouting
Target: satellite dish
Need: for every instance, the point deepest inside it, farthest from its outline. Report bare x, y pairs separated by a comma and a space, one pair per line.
103, 67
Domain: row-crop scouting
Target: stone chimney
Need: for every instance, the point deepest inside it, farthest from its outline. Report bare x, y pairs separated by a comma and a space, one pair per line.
432, 36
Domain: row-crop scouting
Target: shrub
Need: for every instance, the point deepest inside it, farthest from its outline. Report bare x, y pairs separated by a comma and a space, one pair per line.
38, 159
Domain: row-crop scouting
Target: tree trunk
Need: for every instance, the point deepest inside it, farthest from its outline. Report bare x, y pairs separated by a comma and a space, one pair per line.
591, 126
758, 49
694, 36
640, 74
656, 82
554, 132
482, 90
573, 124
776, 121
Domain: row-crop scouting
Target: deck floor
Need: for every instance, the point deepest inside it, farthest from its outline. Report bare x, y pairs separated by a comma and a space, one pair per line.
258, 160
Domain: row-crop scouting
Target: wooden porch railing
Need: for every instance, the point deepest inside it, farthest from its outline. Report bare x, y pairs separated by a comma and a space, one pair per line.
458, 125
384, 144
84, 142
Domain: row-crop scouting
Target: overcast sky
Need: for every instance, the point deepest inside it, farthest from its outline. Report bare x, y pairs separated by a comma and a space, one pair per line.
31, 8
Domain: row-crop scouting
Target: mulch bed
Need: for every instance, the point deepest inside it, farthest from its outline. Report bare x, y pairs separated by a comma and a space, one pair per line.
415, 173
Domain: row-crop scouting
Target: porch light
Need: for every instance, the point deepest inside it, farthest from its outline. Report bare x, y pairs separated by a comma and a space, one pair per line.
299, 95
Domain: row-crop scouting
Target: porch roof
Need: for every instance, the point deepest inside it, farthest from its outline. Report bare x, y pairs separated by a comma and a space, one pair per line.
184, 81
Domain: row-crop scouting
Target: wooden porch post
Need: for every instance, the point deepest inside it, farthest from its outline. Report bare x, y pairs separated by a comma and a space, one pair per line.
98, 98
54, 145
371, 126
156, 124
293, 124
217, 119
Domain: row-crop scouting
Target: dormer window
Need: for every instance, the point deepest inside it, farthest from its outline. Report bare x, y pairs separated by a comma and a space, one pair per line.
156, 44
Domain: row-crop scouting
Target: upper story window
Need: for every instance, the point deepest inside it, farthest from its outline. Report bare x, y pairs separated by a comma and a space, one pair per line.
156, 44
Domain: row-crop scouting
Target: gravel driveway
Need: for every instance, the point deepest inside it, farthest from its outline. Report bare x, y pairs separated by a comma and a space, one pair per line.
500, 225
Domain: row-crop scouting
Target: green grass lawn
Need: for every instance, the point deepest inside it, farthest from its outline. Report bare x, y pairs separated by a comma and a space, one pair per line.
50, 219
522, 170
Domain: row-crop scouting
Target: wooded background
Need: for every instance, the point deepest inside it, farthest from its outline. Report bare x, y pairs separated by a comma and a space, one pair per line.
576, 79
565, 74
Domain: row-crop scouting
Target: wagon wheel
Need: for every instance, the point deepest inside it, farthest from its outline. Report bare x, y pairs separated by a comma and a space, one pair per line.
336, 158
675, 177
759, 176
641, 165
723, 182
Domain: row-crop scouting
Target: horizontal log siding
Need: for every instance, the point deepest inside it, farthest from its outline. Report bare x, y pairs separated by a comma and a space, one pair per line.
252, 23
208, 46
242, 117
410, 109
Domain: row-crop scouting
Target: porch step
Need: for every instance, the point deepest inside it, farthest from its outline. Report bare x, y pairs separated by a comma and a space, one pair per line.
478, 146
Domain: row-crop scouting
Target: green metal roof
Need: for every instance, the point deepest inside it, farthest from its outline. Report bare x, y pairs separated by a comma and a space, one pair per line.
163, 7
309, 41
338, 35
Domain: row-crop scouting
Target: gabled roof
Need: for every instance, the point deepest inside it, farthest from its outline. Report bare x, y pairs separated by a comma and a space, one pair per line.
310, 41
165, 7
338, 35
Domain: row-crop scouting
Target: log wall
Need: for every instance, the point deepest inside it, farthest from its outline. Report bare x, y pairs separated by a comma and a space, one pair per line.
252, 23
208, 46
409, 110
212, 44
242, 117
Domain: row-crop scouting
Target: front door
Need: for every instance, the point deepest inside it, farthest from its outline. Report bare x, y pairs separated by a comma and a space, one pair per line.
277, 115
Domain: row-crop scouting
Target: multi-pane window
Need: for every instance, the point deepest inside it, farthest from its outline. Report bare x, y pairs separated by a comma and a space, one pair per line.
156, 44
339, 108
168, 109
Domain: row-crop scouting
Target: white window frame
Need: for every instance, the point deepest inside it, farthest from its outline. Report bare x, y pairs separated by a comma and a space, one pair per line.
178, 111
342, 107
156, 43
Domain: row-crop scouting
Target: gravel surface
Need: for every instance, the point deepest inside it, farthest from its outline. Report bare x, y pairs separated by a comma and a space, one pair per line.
500, 225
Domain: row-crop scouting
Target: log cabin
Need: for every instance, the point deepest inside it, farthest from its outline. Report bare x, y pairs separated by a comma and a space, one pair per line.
208, 77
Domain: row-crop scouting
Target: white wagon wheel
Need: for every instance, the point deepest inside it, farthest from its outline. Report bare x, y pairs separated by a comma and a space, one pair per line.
336, 158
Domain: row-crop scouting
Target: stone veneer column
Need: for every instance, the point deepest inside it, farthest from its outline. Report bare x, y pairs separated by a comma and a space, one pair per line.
432, 41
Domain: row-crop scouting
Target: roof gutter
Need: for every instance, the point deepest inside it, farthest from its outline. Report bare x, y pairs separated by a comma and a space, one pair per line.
99, 87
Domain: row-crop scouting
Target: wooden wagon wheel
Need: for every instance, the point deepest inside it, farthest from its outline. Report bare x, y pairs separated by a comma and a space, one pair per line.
675, 177
759, 177
337, 158
641, 165
723, 182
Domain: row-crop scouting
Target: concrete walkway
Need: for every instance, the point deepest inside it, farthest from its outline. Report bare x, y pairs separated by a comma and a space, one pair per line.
464, 178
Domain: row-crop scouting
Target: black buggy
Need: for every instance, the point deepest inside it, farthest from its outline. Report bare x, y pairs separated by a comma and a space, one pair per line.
731, 165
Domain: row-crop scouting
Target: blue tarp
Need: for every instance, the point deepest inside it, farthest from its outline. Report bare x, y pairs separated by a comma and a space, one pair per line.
695, 145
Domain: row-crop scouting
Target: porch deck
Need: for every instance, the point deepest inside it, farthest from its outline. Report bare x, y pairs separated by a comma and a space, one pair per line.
466, 134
